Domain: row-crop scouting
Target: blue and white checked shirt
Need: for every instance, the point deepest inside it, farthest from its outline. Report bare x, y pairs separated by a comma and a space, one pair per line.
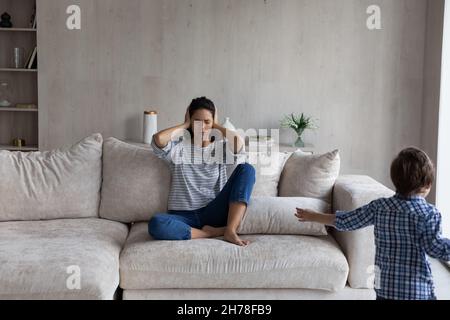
406, 230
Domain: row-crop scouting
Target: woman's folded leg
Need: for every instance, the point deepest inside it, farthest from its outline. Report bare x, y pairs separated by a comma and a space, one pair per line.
181, 226
230, 205
166, 226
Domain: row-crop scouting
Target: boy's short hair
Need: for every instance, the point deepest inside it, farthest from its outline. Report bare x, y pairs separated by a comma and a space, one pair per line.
412, 171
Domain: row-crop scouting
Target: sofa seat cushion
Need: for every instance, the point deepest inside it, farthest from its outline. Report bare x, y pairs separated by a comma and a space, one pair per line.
60, 259
270, 261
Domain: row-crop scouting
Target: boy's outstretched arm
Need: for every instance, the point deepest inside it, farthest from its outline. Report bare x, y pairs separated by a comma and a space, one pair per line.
342, 221
312, 216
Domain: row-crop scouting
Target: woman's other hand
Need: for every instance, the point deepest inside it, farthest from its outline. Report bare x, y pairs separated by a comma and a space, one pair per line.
216, 117
187, 119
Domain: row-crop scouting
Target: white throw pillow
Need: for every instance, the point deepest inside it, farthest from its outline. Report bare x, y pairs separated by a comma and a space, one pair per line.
276, 215
58, 184
267, 171
311, 176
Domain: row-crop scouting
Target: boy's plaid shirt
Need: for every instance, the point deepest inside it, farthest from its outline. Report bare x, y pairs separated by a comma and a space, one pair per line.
406, 230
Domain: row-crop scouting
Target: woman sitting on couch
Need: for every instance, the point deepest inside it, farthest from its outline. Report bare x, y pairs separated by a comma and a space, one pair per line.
202, 203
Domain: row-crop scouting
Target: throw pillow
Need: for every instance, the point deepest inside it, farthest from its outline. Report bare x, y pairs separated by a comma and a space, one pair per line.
267, 171
276, 215
311, 176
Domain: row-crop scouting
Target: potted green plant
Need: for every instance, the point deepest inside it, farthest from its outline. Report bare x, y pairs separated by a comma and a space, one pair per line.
299, 124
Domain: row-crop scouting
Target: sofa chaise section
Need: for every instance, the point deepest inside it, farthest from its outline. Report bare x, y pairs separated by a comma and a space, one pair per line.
52, 243
43, 259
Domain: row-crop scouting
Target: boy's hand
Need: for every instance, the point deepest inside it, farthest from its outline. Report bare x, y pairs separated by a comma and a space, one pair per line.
312, 216
305, 215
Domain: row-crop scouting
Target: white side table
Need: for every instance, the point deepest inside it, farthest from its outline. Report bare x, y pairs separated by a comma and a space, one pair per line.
308, 148
284, 148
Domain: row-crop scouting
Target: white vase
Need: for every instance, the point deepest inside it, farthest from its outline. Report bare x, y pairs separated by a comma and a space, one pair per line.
228, 125
150, 126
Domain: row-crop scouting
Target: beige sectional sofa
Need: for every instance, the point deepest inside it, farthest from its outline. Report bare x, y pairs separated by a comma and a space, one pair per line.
73, 225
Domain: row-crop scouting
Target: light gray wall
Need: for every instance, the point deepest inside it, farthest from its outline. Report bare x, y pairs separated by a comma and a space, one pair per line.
256, 59
443, 168
432, 81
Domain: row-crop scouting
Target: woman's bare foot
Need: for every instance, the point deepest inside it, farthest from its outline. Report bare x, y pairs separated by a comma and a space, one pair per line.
213, 232
232, 237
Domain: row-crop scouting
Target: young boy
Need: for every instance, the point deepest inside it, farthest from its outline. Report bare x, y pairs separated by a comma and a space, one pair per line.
406, 229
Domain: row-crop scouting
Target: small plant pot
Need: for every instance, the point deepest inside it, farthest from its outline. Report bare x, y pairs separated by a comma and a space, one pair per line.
299, 142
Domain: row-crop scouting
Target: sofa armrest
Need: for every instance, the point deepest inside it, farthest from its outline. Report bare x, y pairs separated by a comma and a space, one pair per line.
351, 192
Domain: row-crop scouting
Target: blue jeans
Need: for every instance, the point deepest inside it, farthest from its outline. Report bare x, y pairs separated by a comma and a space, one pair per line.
176, 225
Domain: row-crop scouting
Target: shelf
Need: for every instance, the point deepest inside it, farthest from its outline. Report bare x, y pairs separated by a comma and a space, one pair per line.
18, 109
17, 30
12, 148
17, 70
20, 123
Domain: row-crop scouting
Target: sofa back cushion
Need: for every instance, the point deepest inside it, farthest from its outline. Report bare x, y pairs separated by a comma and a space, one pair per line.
311, 176
58, 184
135, 182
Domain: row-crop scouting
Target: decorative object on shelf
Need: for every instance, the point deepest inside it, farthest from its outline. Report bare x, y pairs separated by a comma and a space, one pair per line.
19, 143
18, 58
28, 59
5, 21
32, 23
299, 124
150, 126
32, 60
5, 94
228, 125
26, 106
